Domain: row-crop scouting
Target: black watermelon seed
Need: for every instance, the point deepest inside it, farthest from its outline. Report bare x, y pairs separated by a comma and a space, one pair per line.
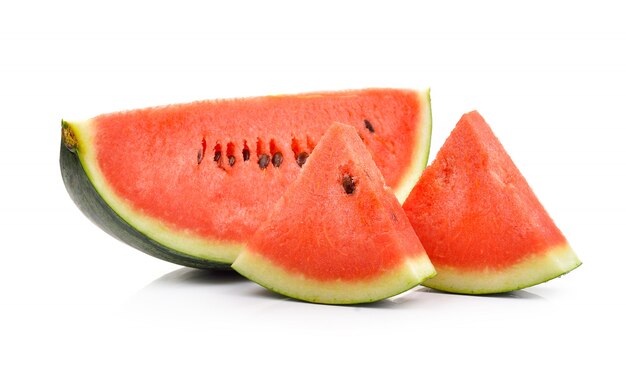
218, 155
368, 125
246, 154
348, 183
277, 159
200, 155
231, 160
264, 160
302, 157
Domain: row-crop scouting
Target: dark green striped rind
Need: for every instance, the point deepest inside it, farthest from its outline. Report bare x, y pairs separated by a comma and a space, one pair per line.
87, 198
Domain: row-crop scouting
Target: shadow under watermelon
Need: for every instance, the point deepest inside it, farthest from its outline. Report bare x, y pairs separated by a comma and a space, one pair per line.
192, 276
515, 294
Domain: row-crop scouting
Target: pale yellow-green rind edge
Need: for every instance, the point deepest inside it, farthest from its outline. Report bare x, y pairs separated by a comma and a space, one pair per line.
538, 269
406, 276
182, 240
421, 149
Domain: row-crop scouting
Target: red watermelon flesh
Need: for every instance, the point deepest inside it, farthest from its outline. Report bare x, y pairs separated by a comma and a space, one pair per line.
481, 224
338, 234
200, 177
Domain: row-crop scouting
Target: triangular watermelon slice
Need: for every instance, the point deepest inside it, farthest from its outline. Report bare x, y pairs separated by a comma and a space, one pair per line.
481, 224
338, 235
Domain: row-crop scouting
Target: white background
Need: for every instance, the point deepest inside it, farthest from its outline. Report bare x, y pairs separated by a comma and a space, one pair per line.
549, 78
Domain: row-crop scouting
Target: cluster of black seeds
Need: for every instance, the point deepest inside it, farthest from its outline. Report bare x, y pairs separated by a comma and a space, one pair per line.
276, 158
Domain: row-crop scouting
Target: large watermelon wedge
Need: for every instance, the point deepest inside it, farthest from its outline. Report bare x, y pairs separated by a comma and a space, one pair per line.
337, 235
479, 221
190, 183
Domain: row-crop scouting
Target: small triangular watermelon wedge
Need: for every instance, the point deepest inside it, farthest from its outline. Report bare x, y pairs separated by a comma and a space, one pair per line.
480, 222
338, 235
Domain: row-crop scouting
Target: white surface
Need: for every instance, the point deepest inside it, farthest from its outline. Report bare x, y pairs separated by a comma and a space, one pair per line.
548, 78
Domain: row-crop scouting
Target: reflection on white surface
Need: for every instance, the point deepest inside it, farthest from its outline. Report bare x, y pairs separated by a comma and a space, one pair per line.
221, 306
217, 296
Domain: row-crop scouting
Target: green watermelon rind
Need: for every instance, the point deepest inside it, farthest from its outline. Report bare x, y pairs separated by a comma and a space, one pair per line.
408, 275
556, 262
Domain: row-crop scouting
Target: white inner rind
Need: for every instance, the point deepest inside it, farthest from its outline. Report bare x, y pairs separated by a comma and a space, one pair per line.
421, 148
407, 275
182, 240
532, 271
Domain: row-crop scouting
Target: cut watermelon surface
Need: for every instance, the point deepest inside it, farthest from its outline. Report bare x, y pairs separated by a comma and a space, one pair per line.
338, 235
479, 221
190, 183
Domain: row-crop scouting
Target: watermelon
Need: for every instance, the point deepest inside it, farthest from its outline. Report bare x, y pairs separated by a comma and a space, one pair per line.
190, 183
479, 221
338, 235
